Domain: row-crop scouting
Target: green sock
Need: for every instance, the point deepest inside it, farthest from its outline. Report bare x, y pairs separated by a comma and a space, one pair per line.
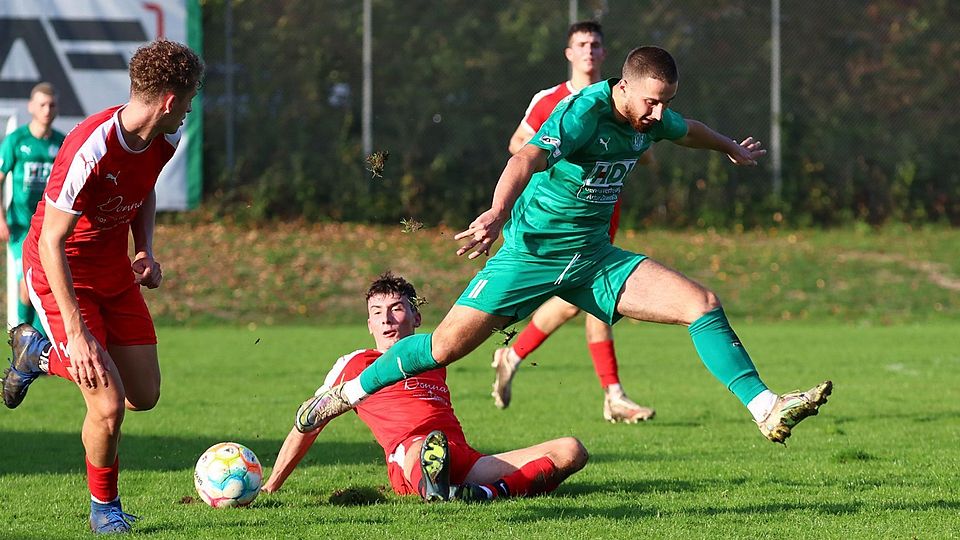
24, 312
408, 357
723, 354
37, 324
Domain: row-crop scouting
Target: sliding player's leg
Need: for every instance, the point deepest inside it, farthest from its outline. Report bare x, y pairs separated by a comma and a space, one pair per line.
525, 472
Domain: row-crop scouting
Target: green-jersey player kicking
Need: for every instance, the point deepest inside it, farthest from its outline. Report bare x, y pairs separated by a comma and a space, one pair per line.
553, 202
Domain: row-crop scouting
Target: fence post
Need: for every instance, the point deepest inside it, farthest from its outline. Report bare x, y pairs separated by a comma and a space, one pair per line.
776, 157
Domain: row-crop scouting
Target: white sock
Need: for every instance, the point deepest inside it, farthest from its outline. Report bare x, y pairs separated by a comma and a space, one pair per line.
513, 357
353, 391
760, 406
614, 390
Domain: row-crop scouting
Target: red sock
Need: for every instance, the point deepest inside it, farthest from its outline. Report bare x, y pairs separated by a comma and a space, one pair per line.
528, 340
102, 481
604, 362
416, 479
534, 478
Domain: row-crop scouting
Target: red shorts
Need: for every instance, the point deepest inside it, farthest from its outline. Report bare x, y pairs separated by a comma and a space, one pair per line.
121, 319
462, 458
615, 220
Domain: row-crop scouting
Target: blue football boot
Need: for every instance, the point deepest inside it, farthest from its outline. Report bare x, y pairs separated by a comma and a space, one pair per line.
109, 518
28, 347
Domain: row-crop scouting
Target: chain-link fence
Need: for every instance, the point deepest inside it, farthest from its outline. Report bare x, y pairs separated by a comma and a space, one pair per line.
868, 119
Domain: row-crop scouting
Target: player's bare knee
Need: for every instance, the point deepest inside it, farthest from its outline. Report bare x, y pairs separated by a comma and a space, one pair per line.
107, 413
707, 302
569, 311
446, 351
444, 355
581, 456
569, 454
143, 403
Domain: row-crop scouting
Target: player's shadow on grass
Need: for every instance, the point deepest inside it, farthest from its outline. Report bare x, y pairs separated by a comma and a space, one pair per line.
27, 452
564, 509
672, 485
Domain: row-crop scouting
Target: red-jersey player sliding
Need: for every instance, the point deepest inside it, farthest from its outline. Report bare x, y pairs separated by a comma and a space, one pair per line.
80, 278
414, 422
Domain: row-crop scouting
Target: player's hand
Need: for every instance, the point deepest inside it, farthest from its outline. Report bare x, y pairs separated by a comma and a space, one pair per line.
748, 152
146, 271
88, 361
482, 233
4, 231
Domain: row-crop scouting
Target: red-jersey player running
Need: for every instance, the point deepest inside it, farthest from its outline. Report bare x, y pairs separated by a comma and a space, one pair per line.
414, 422
81, 280
585, 53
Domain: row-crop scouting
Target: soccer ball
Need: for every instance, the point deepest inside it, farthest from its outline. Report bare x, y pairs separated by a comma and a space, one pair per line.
228, 474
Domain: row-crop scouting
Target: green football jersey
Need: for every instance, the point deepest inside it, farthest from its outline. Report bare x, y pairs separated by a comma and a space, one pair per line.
30, 160
567, 208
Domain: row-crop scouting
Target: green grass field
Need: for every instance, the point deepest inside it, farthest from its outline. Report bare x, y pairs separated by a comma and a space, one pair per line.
881, 461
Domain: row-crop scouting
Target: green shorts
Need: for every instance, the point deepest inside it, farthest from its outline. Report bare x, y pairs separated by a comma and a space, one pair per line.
514, 284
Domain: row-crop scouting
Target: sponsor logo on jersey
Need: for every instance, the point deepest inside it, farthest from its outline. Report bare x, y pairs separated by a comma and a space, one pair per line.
552, 141
25, 149
602, 184
115, 211
113, 177
604, 142
35, 174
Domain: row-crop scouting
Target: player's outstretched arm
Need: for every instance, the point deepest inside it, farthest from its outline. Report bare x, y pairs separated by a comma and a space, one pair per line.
295, 446
699, 135
484, 230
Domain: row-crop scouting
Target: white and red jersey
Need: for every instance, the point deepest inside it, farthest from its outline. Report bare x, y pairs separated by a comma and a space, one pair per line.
98, 177
414, 406
543, 103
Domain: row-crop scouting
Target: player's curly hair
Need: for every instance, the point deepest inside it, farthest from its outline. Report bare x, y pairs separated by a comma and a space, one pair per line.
388, 284
651, 62
164, 66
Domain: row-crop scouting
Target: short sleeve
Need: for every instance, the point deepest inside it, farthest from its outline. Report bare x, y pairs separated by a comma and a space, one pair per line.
566, 130
6, 155
672, 126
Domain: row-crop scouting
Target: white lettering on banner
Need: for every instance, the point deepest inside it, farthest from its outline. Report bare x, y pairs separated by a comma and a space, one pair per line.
84, 47
602, 184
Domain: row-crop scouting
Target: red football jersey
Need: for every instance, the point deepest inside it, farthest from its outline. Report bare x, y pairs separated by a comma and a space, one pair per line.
414, 406
543, 103
97, 176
